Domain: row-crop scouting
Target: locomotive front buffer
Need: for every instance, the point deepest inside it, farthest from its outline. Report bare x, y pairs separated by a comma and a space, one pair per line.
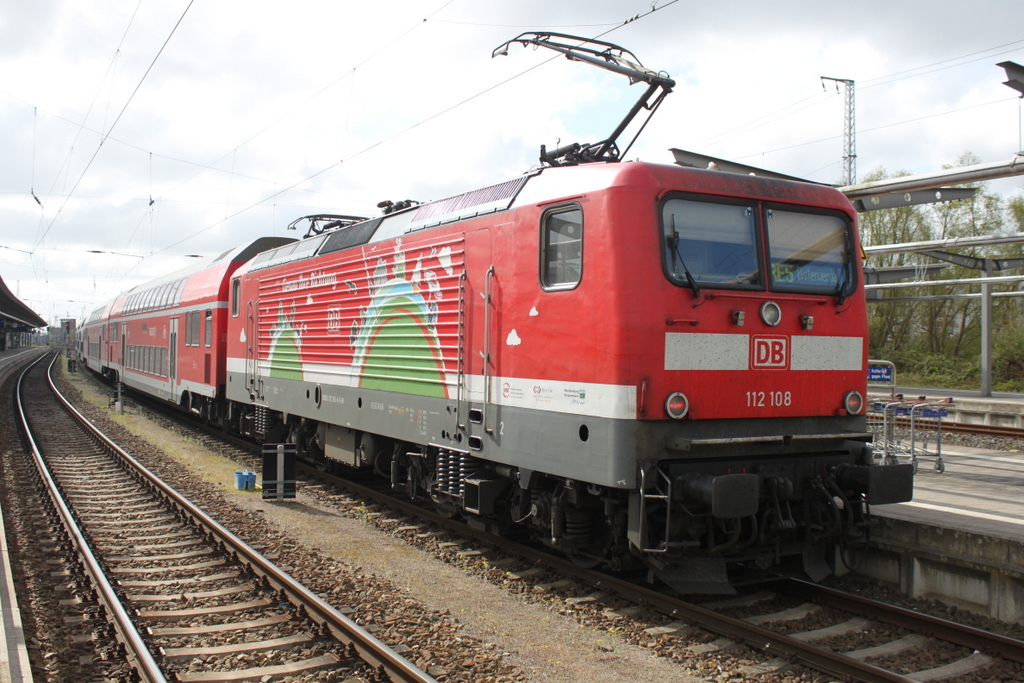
708, 524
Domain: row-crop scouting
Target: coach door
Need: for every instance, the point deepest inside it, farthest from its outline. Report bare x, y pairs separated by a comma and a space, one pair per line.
121, 360
172, 355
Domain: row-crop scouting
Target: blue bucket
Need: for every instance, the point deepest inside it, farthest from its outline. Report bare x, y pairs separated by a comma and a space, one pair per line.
250, 480
240, 480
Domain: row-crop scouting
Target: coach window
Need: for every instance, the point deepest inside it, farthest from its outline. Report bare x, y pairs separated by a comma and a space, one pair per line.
179, 287
236, 290
561, 258
165, 294
709, 243
209, 328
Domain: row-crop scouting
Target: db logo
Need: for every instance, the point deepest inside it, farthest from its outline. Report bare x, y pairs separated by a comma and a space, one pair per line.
770, 352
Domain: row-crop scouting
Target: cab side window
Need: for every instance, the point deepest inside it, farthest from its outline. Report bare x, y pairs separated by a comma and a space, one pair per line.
561, 265
236, 290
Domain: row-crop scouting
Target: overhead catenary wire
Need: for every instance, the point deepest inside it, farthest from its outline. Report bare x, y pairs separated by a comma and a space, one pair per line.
114, 124
291, 108
880, 127
81, 126
942, 65
652, 10
276, 192
35, 117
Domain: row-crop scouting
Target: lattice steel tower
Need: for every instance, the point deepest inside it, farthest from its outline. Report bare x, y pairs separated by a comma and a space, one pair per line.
850, 137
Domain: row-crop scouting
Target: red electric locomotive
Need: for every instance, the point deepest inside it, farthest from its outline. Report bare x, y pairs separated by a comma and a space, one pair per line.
633, 359
641, 364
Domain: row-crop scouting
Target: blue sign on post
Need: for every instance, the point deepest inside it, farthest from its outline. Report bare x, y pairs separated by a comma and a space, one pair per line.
879, 373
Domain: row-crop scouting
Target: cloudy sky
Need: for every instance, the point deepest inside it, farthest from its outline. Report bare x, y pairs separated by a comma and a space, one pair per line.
154, 130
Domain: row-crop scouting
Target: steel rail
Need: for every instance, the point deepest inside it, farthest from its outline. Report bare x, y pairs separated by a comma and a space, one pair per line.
984, 430
387, 662
961, 634
137, 651
756, 637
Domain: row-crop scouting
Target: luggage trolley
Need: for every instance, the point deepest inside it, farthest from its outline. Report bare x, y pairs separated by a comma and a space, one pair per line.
909, 426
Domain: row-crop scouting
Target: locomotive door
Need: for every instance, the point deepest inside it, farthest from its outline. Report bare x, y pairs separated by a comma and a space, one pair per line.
252, 379
478, 418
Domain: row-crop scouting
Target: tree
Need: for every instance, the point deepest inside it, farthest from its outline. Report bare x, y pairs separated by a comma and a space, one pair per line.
942, 334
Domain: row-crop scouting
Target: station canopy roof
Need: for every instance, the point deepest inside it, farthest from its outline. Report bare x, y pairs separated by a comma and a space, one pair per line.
13, 313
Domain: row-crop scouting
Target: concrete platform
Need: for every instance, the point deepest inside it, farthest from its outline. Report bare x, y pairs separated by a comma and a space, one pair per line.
14, 662
14, 654
961, 539
8, 356
1002, 409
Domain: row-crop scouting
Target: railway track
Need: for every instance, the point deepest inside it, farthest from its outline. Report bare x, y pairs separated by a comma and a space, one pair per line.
838, 634
984, 430
862, 639
182, 596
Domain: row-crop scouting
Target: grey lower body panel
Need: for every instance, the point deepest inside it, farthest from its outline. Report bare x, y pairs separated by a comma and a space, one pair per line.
595, 450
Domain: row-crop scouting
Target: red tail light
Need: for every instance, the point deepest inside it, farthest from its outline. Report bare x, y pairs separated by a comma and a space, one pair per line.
677, 405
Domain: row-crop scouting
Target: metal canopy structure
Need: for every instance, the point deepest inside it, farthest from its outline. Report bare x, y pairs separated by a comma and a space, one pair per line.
929, 181
1014, 76
933, 249
15, 316
877, 276
896, 200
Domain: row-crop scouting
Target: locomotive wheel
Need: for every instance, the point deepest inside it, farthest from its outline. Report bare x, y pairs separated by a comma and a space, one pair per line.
585, 561
444, 510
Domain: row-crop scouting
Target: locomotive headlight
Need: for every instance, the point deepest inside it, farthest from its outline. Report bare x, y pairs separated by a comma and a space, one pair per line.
677, 405
853, 402
771, 314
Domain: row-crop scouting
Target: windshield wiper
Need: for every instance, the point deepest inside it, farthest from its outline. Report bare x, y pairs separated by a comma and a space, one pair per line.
673, 244
841, 286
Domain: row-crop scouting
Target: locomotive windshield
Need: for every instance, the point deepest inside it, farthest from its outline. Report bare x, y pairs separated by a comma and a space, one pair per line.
808, 251
714, 244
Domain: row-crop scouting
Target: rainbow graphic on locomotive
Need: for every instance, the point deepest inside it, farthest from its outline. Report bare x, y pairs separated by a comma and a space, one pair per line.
389, 314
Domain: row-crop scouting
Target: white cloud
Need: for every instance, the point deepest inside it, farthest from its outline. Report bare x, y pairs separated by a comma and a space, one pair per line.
356, 104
